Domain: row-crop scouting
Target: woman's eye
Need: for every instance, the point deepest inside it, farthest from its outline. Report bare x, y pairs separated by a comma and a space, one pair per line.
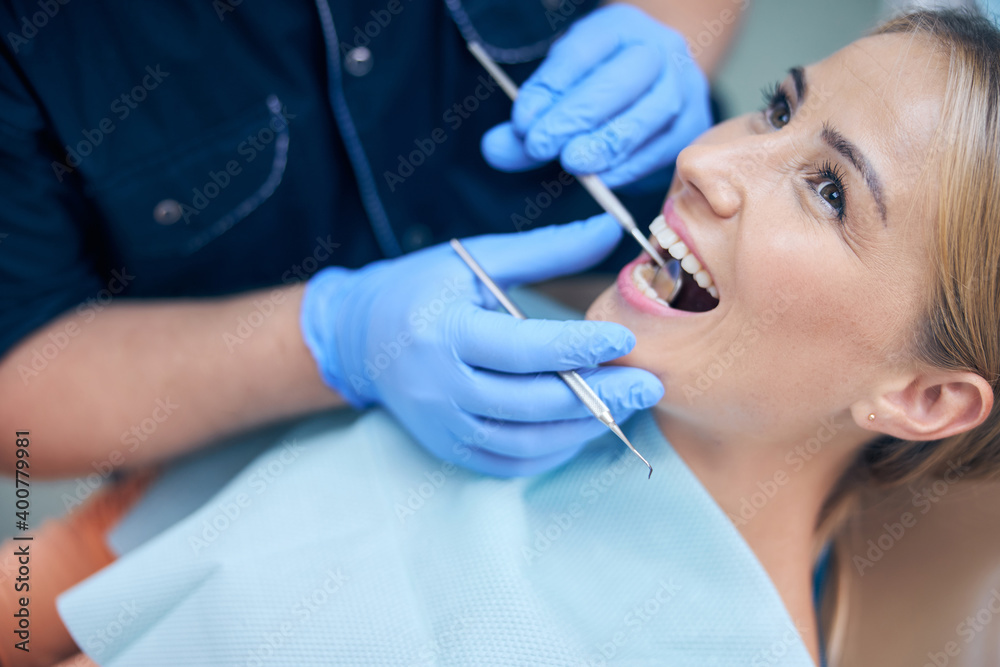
777, 109
830, 191
779, 113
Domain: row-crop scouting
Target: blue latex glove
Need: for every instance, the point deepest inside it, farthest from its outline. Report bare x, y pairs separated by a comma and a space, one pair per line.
618, 95
419, 335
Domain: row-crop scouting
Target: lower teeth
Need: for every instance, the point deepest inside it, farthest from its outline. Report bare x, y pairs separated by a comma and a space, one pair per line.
642, 275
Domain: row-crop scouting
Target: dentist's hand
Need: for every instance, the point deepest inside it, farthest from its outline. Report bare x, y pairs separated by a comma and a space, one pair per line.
419, 335
618, 95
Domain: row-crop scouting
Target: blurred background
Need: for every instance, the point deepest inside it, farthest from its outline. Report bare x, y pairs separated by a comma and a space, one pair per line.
777, 34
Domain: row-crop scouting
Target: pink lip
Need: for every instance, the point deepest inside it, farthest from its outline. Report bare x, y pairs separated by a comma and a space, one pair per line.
675, 223
637, 299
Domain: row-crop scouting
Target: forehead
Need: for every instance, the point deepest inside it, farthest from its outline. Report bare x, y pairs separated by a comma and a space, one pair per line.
886, 94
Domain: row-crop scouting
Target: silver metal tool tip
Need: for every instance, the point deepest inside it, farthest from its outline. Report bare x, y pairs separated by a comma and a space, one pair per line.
617, 431
648, 247
669, 266
676, 274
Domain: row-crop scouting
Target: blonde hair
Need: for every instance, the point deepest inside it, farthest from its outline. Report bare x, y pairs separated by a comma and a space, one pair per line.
961, 329
961, 326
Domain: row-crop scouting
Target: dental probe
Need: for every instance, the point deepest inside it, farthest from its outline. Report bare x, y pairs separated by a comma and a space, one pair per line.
572, 379
601, 193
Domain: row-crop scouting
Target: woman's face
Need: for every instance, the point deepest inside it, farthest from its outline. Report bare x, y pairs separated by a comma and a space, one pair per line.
813, 219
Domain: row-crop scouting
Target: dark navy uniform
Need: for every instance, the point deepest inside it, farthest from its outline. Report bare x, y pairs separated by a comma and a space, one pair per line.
205, 147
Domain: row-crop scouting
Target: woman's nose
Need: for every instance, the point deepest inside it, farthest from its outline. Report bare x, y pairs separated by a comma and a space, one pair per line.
717, 172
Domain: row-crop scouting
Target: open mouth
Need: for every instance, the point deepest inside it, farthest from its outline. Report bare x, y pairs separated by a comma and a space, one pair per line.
697, 293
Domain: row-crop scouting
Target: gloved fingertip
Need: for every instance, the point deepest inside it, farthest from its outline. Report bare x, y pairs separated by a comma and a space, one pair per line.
589, 343
601, 229
647, 393
627, 340
585, 155
531, 102
539, 145
611, 341
504, 150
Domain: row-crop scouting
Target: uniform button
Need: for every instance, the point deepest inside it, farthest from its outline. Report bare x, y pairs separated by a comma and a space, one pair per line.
167, 212
358, 61
417, 237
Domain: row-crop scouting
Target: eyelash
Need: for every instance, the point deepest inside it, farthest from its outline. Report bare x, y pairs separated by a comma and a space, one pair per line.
828, 171
833, 173
773, 94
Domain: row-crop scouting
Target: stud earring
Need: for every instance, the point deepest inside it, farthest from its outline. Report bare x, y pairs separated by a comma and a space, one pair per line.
871, 417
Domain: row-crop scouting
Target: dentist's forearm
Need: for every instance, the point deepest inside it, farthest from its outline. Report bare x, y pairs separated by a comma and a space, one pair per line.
710, 26
140, 382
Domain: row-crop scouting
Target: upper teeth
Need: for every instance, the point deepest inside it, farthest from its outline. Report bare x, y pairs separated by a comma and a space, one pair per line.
668, 239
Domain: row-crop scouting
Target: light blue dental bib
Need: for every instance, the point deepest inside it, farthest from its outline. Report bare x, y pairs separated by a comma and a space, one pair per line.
352, 546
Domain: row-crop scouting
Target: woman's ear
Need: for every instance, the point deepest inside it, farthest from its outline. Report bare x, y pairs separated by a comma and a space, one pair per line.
930, 405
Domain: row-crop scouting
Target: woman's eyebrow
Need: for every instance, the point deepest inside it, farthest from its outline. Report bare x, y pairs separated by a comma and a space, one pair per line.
842, 144
849, 150
799, 77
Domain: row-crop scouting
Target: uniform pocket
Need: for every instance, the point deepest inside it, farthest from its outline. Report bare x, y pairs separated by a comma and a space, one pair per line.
174, 204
